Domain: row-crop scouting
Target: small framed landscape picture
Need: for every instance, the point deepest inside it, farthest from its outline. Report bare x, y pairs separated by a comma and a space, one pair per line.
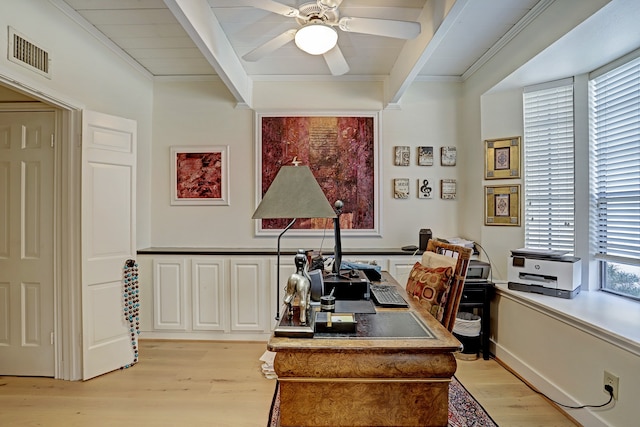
401, 188
425, 188
448, 156
200, 175
425, 156
402, 155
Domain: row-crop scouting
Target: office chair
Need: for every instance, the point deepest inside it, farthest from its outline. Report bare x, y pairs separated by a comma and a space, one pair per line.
436, 260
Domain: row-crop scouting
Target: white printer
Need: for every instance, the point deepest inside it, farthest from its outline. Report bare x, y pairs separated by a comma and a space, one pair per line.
544, 272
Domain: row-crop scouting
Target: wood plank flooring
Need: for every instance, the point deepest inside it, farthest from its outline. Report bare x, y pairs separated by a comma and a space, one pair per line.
204, 383
506, 398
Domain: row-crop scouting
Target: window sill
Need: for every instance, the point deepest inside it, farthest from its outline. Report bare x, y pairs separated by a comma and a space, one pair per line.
609, 317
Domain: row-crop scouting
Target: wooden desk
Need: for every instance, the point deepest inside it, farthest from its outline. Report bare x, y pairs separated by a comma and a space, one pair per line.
365, 381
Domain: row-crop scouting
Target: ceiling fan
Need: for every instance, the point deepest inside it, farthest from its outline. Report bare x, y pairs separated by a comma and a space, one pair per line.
316, 34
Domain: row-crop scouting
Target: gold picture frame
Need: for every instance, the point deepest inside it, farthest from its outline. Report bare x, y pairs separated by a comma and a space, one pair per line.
502, 158
502, 205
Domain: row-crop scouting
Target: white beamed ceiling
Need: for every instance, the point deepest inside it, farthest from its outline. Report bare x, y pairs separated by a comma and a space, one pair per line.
165, 38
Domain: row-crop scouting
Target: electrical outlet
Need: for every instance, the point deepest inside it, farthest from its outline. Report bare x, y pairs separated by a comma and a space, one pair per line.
612, 380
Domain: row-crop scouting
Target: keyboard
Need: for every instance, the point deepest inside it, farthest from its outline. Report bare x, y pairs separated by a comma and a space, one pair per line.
387, 296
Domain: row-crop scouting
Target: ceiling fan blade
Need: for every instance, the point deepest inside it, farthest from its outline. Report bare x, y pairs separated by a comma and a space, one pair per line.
270, 46
329, 4
276, 7
380, 27
336, 62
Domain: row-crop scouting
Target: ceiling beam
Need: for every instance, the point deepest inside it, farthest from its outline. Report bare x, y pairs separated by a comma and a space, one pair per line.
200, 23
437, 17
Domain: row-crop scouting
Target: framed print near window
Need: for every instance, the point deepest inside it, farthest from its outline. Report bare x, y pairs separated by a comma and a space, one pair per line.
342, 152
502, 204
502, 158
200, 175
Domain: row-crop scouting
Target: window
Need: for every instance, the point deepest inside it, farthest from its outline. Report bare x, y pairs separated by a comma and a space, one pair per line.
615, 134
549, 167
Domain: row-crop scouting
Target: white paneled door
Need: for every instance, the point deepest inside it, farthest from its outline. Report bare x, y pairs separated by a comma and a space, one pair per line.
108, 239
26, 243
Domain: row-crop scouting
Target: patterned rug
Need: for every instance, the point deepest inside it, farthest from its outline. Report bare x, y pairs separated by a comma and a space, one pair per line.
464, 409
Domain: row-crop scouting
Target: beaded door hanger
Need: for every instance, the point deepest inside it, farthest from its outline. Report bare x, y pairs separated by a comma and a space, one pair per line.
132, 305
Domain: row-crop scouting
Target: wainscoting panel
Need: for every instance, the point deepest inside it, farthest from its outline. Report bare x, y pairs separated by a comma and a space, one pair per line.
249, 293
169, 294
209, 296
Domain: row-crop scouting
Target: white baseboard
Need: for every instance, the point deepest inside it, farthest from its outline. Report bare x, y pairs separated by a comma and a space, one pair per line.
584, 416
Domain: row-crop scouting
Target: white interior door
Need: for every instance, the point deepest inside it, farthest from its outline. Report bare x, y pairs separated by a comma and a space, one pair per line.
26, 243
108, 239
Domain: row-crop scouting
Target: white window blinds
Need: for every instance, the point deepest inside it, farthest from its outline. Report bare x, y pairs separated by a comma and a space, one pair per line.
615, 127
549, 166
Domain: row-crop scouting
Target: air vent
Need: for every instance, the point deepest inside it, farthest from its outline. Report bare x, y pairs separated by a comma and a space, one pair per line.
26, 53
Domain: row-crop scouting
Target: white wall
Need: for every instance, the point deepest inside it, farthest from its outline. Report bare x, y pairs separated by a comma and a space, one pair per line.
85, 75
203, 113
502, 117
548, 352
481, 111
561, 355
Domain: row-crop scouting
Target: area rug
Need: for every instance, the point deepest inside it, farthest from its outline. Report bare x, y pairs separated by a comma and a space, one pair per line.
464, 409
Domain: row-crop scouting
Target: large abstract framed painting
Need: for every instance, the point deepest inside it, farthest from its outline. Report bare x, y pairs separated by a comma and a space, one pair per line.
200, 175
342, 152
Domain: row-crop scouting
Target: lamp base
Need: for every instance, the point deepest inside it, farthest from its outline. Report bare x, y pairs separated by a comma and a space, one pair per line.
291, 327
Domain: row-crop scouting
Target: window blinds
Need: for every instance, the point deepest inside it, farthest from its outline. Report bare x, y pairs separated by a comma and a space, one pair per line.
615, 128
549, 167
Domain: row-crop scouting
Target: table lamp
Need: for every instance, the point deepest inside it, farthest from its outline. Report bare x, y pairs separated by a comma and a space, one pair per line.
294, 193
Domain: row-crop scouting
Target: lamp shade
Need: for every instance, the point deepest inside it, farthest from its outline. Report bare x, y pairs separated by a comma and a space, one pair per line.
294, 193
316, 38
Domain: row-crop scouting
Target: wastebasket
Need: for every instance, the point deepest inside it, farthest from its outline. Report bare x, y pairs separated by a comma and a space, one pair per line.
467, 331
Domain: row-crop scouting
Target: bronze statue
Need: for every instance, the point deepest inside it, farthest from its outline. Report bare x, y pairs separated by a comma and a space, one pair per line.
299, 283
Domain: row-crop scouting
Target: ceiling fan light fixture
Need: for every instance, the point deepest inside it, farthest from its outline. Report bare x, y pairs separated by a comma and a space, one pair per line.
316, 38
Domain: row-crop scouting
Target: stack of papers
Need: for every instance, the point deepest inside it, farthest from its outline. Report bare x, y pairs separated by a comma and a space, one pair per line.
459, 241
267, 366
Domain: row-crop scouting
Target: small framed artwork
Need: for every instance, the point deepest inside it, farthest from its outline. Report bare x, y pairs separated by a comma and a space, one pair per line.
200, 175
448, 156
425, 188
425, 156
502, 204
448, 189
401, 188
502, 158
402, 155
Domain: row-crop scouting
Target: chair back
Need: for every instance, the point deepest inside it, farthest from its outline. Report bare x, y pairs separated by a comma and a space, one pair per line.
463, 255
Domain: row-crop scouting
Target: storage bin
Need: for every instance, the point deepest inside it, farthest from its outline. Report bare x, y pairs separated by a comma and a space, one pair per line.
467, 330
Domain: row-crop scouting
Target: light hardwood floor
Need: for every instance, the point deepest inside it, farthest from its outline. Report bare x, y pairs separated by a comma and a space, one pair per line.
203, 383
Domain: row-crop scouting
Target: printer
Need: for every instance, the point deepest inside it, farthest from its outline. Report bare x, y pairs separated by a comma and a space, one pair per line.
478, 271
544, 272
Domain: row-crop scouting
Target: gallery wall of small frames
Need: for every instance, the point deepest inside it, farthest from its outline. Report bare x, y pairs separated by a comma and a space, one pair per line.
426, 187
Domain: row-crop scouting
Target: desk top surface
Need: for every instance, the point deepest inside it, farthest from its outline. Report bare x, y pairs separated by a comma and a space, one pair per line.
405, 335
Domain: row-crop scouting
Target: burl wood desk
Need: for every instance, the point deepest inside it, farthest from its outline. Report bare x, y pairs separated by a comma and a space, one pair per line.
370, 379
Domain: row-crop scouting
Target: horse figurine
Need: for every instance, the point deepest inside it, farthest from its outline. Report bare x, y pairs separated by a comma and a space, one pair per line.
300, 284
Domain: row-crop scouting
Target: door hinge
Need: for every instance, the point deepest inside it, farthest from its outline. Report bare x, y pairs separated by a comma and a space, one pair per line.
52, 339
53, 140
